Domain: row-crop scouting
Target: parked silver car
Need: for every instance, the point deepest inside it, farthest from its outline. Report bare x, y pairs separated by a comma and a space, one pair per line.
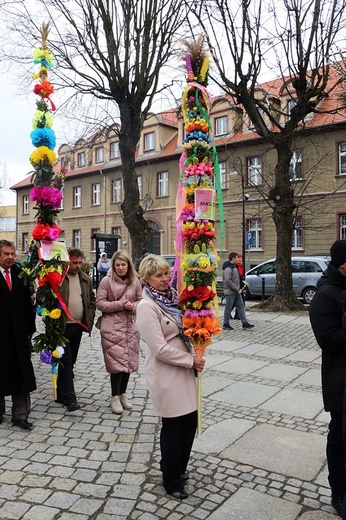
306, 270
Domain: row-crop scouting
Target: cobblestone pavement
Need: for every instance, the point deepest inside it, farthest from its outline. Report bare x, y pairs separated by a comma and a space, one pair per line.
261, 453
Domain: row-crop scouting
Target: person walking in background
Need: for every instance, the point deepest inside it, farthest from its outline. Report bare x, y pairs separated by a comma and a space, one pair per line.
103, 266
233, 293
17, 325
326, 317
117, 297
170, 366
241, 271
79, 296
145, 253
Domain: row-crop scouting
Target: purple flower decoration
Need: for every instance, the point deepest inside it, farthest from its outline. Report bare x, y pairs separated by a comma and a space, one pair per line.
46, 356
46, 196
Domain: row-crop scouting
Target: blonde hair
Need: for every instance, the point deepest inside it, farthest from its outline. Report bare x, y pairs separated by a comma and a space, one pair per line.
125, 257
150, 265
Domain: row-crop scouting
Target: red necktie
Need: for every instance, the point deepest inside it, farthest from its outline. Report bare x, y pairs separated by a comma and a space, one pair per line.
8, 279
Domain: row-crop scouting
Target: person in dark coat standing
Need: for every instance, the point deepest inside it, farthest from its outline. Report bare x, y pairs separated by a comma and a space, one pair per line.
17, 325
326, 317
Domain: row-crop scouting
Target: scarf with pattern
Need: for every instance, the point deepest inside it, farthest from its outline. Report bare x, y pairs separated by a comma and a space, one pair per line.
168, 301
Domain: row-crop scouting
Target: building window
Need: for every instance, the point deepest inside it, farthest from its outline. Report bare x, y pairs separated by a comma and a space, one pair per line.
140, 186
290, 106
96, 194
342, 158
7, 223
81, 159
296, 166
25, 242
76, 236
162, 184
93, 240
116, 231
149, 141
223, 175
77, 197
116, 191
254, 171
297, 238
114, 150
255, 227
99, 155
25, 205
342, 227
221, 125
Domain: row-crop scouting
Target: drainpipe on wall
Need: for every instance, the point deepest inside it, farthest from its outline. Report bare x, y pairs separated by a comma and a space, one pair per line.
104, 201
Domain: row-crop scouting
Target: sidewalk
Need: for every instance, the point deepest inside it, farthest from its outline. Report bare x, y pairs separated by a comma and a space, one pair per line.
261, 453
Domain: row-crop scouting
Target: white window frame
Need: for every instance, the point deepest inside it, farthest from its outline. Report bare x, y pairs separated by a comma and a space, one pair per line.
114, 151
296, 164
290, 105
81, 159
25, 204
223, 174
140, 186
221, 125
25, 242
7, 224
342, 226
116, 230
77, 197
297, 237
99, 154
77, 238
116, 191
162, 184
255, 227
342, 158
149, 141
254, 170
96, 194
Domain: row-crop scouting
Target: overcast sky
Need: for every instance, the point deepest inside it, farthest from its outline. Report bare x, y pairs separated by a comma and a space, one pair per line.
16, 125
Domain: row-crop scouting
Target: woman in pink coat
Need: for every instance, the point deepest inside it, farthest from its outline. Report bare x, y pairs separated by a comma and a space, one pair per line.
170, 366
117, 297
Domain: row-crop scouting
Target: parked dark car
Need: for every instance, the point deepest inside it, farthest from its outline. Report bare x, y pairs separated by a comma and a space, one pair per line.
305, 273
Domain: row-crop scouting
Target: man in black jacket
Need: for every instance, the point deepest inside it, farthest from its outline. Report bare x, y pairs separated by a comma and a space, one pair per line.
326, 317
17, 324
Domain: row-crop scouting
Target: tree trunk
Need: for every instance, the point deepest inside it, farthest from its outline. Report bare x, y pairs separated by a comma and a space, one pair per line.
133, 218
282, 196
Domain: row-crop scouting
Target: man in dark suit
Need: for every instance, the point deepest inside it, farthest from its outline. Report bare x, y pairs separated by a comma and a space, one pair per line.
17, 325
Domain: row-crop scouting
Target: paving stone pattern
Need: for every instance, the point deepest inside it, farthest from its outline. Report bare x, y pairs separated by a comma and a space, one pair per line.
261, 453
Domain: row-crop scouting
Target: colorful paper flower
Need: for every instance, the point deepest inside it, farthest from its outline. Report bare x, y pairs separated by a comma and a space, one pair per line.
46, 356
47, 196
43, 137
55, 314
40, 231
41, 155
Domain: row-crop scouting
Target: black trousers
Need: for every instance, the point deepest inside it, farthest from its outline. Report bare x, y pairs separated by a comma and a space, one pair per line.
176, 439
336, 455
119, 382
20, 406
65, 387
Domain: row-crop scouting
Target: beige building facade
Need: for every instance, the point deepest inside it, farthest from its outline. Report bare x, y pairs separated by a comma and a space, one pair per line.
8, 223
93, 189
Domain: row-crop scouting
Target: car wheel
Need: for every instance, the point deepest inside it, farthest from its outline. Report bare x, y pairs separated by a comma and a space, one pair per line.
246, 293
308, 294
